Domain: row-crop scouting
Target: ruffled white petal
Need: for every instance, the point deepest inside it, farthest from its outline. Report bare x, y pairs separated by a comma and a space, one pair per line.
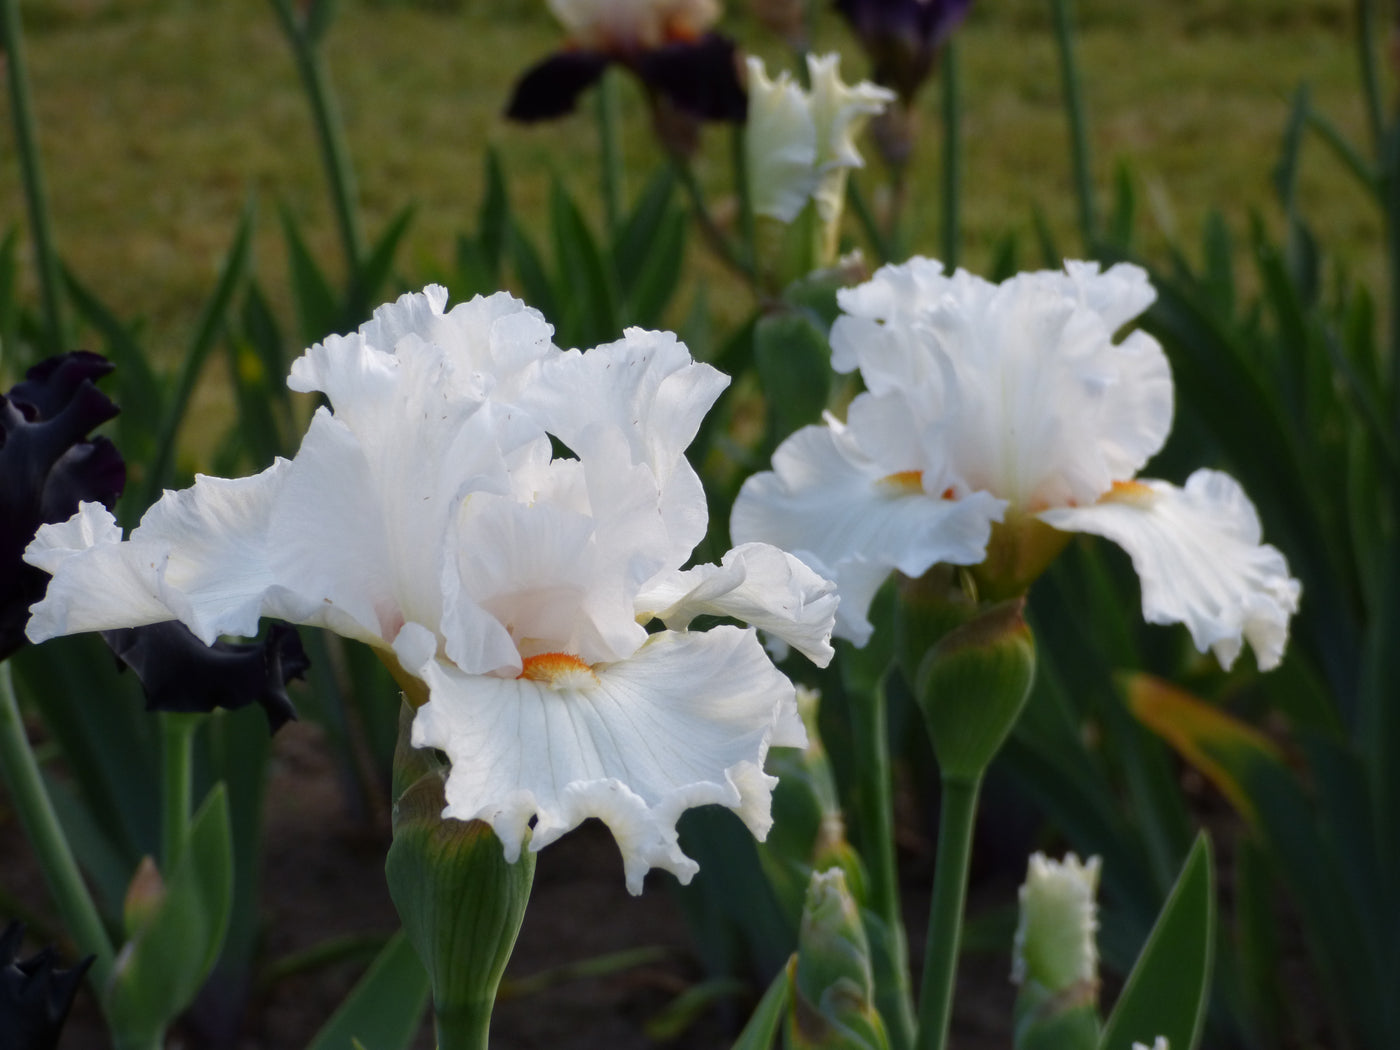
1031, 397
105, 584
780, 141
1118, 295
1198, 553
840, 113
757, 583
828, 503
199, 556
646, 390
686, 721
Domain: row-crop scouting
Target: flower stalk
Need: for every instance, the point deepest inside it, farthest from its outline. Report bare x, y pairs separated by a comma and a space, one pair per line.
32, 175
610, 151
972, 686
25, 785
957, 814
330, 135
1078, 124
870, 734
177, 765
952, 157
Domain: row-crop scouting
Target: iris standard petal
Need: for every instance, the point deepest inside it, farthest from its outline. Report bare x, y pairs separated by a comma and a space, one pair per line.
1035, 400
686, 721
631, 24
780, 143
646, 389
1198, 554
48, 465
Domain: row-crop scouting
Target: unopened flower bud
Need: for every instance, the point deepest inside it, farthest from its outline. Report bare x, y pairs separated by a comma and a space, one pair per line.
1055, 957
460, 902
972, 686
833, 994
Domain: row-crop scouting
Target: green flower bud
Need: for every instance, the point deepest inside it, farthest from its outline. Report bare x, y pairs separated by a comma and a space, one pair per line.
460, 902
833, 989
972, 686
809, 831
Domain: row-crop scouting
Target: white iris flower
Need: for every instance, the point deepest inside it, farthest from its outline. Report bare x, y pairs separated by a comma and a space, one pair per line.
801, 144
995, 419
427, 515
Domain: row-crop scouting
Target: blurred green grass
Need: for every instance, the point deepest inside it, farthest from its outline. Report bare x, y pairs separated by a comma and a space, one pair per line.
159, 117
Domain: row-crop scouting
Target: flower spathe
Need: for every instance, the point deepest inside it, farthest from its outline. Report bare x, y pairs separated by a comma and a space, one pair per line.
996, 418
426, 514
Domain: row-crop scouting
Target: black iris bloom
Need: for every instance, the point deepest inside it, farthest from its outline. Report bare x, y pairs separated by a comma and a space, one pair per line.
903, 37
181, 673
48, 465
35, 995
698, 77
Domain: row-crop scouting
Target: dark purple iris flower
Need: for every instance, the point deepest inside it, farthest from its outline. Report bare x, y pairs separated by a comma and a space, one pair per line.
903, 37
48, 464
181, 673
35, 996
700, 77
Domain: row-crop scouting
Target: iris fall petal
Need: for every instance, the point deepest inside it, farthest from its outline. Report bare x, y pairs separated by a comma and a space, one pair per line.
1198, 553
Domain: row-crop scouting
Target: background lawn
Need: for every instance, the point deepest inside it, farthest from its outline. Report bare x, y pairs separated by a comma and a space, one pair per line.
159, 117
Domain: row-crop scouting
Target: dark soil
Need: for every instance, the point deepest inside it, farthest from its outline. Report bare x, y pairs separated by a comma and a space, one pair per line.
324, 879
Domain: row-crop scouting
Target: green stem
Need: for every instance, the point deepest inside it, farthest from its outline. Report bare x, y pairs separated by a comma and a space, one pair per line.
32, 175
325, 116
870, 735
1078, 123
176, 753
714, 236
1390, 208
883, 252
952, 157
467, 1027
610, 151
956, 817
1370, 76
138, 1042
25, 785
748, 228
